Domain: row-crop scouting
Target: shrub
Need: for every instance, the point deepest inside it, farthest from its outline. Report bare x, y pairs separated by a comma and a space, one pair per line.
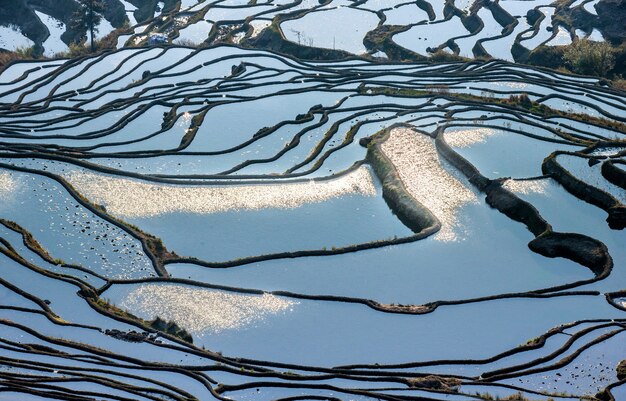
620, 84
441, 56
522, 100
74, 50
26, 52
591, 58
7, 57
441, 88
21, 53
186, 42
171, 328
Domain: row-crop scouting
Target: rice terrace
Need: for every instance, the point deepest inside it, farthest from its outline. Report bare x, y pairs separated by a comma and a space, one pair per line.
354, 200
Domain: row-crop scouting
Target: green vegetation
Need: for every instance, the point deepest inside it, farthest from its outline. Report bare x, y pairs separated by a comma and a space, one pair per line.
25, 52
621, 370
107, 306
387, 91
514, 397
87, 18
159, 324
21, 53
533, 341
586, 57
525, 102
522, 101
156, 247
442, 56
187, 43
619, 84
76, 49
171, 328
30, 241
448, 384
109, 42
590, 58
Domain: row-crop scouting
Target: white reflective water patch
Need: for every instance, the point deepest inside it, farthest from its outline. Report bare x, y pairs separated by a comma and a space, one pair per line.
130, 198
203, 311
418, 165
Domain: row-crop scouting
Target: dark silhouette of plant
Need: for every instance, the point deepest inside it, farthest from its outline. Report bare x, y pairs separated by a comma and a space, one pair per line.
87, 18
522, 100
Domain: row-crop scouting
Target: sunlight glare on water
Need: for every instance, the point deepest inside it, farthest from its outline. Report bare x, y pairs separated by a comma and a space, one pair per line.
417, 161
130, 198
203, 311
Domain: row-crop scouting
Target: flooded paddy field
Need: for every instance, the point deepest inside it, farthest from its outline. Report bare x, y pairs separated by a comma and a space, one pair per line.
226, 223
507, 30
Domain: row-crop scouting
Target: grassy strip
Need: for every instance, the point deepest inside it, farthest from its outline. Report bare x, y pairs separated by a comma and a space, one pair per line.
171, 328
520, 102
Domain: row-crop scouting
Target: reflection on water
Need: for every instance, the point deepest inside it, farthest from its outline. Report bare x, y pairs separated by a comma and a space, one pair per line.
7, 185
203, 311
130, 198
467, 137
324, 113
526, 187
418, 165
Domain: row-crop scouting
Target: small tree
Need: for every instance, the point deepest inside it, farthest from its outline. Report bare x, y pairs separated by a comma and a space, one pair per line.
588, 57
87, 18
